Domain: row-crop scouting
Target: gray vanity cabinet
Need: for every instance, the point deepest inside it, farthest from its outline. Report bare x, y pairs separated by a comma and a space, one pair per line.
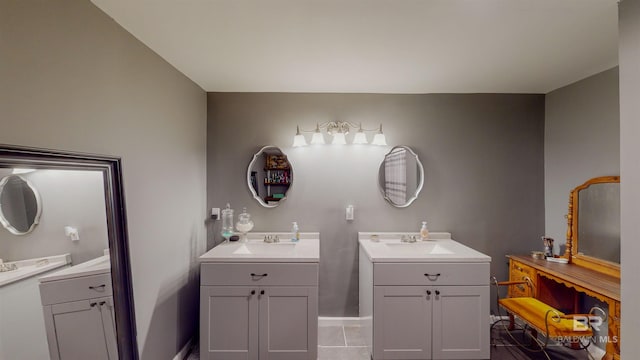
402, 322
79, 322
425, 310
430, 322
259, 317
229, 322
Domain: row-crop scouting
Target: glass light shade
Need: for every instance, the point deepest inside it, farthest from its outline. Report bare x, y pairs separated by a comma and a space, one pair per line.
299, 140
339, 139
379, 139
317, 138
360, 138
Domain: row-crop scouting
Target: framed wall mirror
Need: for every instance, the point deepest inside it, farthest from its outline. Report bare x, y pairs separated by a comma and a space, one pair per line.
593, 219
400, 176
20, 205
82, 221
269, 176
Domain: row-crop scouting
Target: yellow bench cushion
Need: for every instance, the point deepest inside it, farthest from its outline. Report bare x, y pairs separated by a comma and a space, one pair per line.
533, 311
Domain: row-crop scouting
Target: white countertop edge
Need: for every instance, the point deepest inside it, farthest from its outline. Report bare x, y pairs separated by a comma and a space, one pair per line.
397, 234
55, 261
255, 259
440, 260
86, 268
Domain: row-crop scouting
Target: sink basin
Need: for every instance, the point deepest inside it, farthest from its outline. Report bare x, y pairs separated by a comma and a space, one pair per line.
306, 250
418, 247
440, 248
265, 249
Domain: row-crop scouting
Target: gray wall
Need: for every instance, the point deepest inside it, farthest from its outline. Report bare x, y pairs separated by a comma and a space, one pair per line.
69, 198
629, 56
483, 159
581, 141
73, 79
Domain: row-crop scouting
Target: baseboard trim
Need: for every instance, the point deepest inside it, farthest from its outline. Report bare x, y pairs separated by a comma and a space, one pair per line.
338, 321
184, 352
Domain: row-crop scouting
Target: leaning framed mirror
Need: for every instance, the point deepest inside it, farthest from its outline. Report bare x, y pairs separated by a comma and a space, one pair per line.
269, 176
80, 241
593, 225
400, 176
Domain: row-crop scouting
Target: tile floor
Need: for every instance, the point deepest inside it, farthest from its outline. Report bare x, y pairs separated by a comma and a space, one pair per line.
341, 343
347, 343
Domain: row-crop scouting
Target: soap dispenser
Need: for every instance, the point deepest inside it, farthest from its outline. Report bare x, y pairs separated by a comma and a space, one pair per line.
295, 232
424, 232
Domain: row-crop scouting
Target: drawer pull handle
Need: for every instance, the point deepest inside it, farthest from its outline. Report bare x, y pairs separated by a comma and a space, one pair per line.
102, 303
428, 292
432, 277
261, 292
259, 275
98, 288
253, 292
437, 292
93, 304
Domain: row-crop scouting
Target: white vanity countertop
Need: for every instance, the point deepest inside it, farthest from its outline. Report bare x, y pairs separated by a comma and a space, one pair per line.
99, 265
307, 249
439, 248
32, 267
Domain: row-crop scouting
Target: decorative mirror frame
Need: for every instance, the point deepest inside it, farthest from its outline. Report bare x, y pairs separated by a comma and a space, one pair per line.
3, 220
571, 251
420, 169
250, 186
111, 168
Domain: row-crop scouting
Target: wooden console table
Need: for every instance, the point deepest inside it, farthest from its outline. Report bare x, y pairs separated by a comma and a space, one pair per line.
559, 285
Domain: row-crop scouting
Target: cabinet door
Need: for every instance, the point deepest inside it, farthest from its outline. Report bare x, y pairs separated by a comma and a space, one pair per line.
75, 331
228, 323
401, 322
289, 323
461, 322
109, 325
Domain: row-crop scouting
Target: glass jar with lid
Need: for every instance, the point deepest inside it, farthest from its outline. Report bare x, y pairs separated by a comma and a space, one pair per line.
244, 224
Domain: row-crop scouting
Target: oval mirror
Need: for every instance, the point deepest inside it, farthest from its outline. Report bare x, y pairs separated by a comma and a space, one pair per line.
20, 205
401, 176
269, 176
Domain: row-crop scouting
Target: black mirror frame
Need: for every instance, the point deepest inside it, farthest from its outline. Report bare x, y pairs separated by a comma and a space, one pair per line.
111, 168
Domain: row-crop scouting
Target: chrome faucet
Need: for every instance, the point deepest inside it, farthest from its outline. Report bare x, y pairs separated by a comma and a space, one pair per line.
8, 267
408, 238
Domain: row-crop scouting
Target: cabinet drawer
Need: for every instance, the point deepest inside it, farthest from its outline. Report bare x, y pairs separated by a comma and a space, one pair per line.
431, 274
80, 288
519, 271
520, 290
263, 274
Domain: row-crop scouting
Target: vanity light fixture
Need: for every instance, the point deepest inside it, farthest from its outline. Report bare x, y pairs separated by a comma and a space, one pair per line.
338, 130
